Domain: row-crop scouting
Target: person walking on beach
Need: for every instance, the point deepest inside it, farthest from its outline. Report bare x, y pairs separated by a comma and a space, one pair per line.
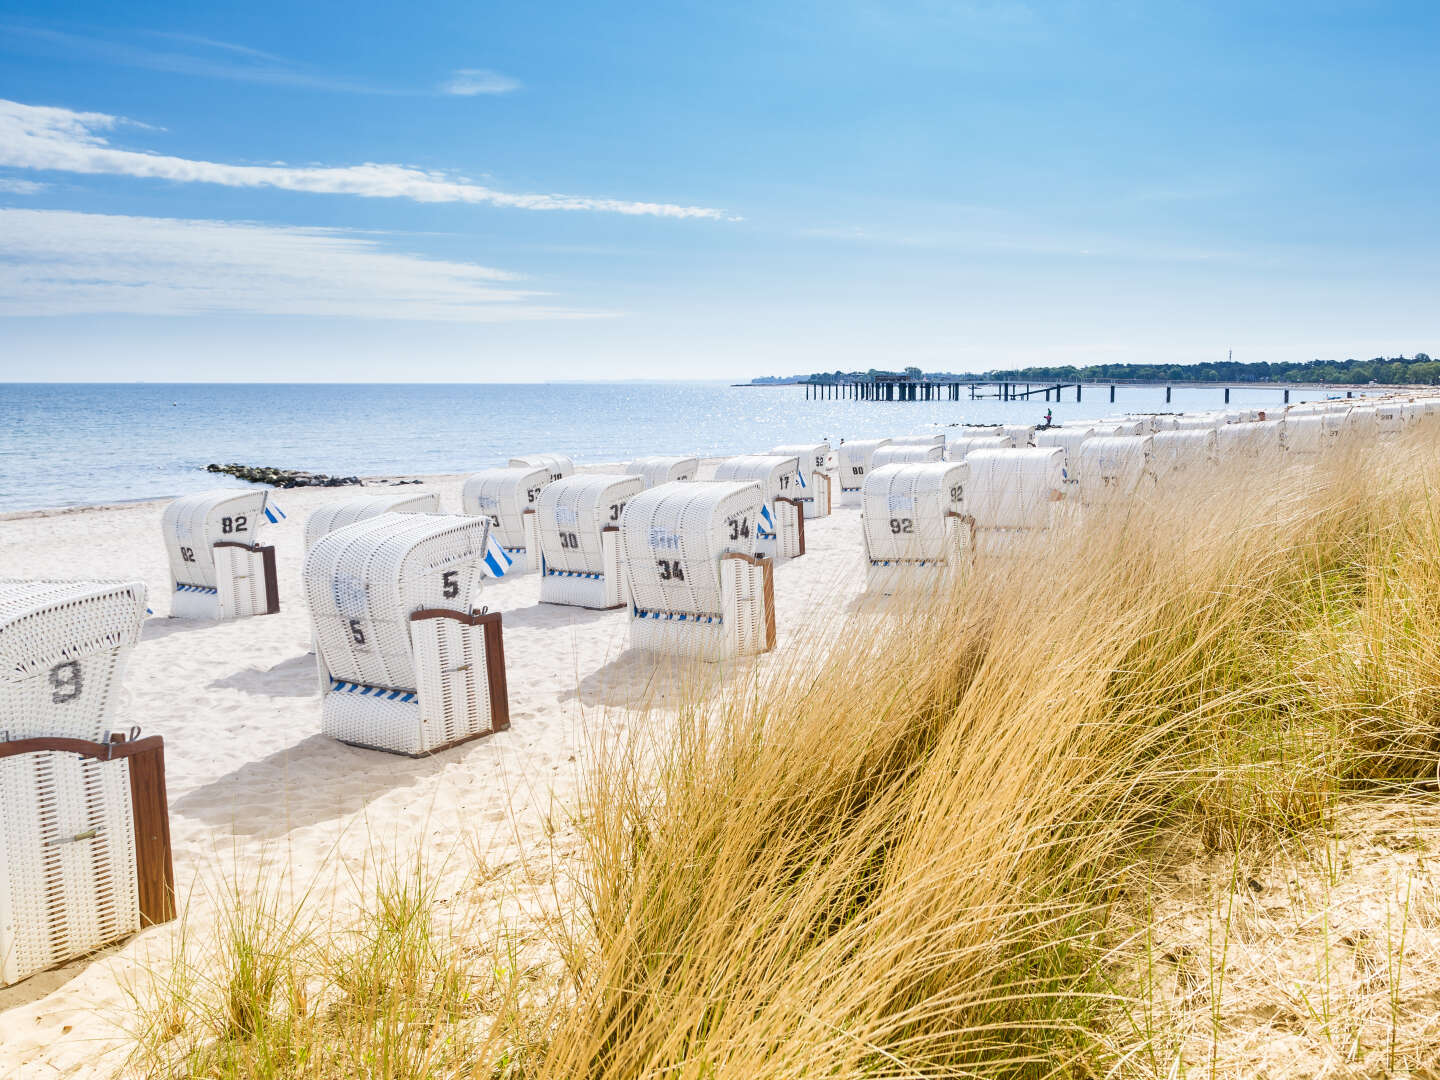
1048, 415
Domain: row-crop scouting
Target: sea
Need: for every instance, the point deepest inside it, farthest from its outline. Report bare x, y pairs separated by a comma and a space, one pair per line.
74, 444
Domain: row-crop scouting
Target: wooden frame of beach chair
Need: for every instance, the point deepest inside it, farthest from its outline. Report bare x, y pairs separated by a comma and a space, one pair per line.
558, 466
337, 515
654, 471
906, 454
509, 498
781, 532
217, 570
916, 525
853, 461
698, 588
579, 519
818, 497
1114, 469
406, 664
1014, 497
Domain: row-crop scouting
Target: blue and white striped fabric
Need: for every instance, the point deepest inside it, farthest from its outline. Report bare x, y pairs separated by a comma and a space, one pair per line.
766, 528
496, 557
343, 687
273, 513
801, 474
195, 588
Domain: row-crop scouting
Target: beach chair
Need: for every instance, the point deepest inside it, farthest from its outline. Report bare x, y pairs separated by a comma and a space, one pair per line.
1020, 435
853, 461
579, 520
1305, 433
344, 512
780, 531
1067, 439
1183, 451
509, 498
406, 663
1114, 468
84, 824
1116, 427
1198, 422
1013, 496
906, 454
915, 525
698, 587
937, 441
217, 569
1256, 439
956, 449
818, 461
558, 466
654, 471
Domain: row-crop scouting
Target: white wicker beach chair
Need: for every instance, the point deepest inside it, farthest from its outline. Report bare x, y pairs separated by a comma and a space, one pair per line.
1260, 438
558, 466
1114, 468
915, 525
509, 498
406, 663
956, 449
1020, 435
936, 440
337, 515
1012, 496
1305, 433
1198, 422
853, 461
698, 588
1115, 427
84, 861
818, 462
1183, 451
654, 471
906, 454
781, 530
216, 567
579, 539
1067, 439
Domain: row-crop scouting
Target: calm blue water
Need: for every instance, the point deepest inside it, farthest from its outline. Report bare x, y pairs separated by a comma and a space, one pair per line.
70, 444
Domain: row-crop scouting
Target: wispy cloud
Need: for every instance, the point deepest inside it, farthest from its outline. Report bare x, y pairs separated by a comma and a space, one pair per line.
11, 186
46, 138
61, 262
467, 82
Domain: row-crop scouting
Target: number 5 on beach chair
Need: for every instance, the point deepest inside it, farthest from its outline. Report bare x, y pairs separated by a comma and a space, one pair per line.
406, 663
217, 569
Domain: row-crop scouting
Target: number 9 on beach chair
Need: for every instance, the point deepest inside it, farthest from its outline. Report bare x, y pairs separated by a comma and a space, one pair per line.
337, 515
508, 498
654, 471
854, 459
818, 462
558, 466
84, 825
780, 532
698, 588
915, 524
579, 539
217, 569
406, 664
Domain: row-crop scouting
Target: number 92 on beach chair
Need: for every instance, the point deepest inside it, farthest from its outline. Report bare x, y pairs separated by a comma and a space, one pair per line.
217, 569
406, 664
915, 526
698, 589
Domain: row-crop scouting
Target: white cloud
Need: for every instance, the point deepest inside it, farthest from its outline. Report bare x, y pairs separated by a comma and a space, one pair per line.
61, 262
470, 81
43, 137
20, 187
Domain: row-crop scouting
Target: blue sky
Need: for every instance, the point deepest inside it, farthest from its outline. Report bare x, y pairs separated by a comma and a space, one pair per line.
467, 191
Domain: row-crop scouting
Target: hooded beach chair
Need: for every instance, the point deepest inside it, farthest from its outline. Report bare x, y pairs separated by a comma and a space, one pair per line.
817, 460
344, 512
1183, 451
915, 523
956, 449
937, 440
654, 471
558, 466
84, 824
1020, 435
579, 520
1305, 433
407, 664
217, 569
1013, 496
1256, 439
906, 454
853, 462
780, 532
698, 587
509, 499
1114, 468
1067, 439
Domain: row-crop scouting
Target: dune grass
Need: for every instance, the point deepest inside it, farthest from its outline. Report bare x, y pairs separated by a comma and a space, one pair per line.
919, 849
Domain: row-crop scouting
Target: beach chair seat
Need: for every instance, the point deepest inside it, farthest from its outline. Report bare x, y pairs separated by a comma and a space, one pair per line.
654, 471
781, 530
1114, 468
817, 460
344, 512
579, 521
558, 466
1013, 496
915, 523
906, 454
508, 499
217, 569
699, 589
1183, 451
853, 461
406, 663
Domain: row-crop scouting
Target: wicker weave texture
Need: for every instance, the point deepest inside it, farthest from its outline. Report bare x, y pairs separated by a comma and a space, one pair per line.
958, 449
654, 471
1253, 440
67, 859
193, 524
821, 476
63, 648
337, 515
894, 576
509, 498
558, 466
779, 477
906, 453
1113, 467
1183, 450
853, 462
1015, 489
904, 510
574, 512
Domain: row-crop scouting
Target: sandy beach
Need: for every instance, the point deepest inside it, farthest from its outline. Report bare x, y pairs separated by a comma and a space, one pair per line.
253, 783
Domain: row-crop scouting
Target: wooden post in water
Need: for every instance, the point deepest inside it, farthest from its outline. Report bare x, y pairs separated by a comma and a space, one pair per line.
1112, 393
1167, 395
1227, 395
1287, 397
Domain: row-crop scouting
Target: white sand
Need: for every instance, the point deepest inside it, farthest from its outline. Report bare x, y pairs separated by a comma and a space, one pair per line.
252, 781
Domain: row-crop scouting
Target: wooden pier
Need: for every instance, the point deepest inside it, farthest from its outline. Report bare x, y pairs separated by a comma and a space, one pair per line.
907, 388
